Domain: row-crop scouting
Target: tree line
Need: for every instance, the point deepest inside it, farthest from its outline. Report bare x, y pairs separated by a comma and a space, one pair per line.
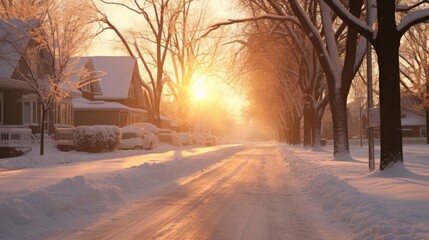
326, 41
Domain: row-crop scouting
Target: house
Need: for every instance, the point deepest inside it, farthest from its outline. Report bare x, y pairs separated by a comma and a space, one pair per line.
116, 99
413, 118
20, 111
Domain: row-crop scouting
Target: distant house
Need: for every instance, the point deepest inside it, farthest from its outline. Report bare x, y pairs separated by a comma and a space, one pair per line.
20, 110
413, 118
117, 99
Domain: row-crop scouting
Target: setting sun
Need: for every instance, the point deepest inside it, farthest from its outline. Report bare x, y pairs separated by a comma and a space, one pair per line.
200, 93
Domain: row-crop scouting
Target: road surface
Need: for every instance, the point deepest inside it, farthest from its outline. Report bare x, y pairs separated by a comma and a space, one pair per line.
249, 195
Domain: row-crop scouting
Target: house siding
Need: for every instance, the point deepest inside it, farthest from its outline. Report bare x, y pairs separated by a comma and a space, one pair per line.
12, 112
96, 118
410, 131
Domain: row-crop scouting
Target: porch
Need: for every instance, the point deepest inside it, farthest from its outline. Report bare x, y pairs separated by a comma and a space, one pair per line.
14, 140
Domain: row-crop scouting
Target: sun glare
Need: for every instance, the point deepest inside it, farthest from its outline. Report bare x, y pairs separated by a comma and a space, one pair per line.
200, 93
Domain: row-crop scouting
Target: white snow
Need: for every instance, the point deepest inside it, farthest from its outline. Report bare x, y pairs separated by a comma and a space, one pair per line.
60, 188
412, 18
59, 191
392, 204
83, 104
119, 73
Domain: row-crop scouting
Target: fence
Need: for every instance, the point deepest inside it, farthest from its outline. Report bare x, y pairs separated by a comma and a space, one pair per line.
15, 137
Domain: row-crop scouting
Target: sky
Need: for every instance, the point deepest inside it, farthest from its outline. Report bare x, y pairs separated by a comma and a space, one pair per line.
106, 44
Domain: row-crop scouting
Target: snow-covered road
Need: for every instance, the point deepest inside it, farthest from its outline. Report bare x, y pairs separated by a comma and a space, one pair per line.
33, 178
248, 195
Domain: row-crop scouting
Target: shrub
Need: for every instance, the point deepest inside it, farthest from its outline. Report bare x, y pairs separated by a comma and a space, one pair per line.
98, 138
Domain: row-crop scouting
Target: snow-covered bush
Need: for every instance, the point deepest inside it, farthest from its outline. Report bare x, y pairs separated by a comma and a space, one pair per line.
98, 138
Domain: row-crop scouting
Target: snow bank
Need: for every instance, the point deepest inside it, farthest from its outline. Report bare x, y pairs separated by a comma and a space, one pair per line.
366, 216
29, 214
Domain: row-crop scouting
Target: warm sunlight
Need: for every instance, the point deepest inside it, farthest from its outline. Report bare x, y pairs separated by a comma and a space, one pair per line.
200, 93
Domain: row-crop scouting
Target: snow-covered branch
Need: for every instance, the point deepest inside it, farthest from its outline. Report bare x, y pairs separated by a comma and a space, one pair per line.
413, 18
257, 18
314, 36
351, 20
406, 8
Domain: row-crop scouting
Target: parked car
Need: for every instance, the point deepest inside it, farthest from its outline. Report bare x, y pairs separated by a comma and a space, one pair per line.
150, 131
185, 138
170, 137
148, 126
204, 139
135, 138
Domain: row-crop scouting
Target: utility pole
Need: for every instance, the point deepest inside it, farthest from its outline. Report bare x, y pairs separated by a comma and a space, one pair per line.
371, 161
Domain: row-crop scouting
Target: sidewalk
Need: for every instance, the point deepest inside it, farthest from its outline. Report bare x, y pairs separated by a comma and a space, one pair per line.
383, 205
33, 171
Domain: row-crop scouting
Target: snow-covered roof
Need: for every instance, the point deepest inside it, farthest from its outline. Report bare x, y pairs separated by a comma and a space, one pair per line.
119, 72
413, 120
83, 104
14, 38
85, 63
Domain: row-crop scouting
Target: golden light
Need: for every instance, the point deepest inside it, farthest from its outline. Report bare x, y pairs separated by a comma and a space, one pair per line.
200, 93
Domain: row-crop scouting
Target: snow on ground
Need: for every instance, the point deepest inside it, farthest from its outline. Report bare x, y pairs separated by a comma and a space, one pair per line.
31, 212
42, 194
392, 204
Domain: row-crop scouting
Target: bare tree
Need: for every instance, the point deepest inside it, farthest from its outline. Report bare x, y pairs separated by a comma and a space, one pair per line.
414, 55
326, 41
61, 33
311, 82
339, 55
151, 44
386, 41
30, 9
192, 56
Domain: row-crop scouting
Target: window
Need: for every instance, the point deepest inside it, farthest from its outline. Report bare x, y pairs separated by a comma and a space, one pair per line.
423, 131
63, 114
29, 110
132, 91
86, 87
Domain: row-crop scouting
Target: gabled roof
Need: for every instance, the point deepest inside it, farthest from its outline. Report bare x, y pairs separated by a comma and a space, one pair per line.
14, 38
86, 62
119, 73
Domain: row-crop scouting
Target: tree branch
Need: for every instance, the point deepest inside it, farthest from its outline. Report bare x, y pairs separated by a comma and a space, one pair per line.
351, 20
262, 17
405, 8
411, 19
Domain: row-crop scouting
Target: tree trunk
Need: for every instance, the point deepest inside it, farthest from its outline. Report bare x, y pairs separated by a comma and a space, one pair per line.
317, 124
427, 124
308, 122
387, 48
339, 123
296, 130
427, 111
42, 131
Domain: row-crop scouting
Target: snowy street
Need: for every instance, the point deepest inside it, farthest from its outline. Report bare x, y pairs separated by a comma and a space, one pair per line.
262, 190
246, 196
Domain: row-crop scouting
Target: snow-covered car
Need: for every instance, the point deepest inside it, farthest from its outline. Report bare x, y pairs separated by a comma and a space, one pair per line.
135, 138
149, 139
185, 138
148, 126
150, 131
169, 136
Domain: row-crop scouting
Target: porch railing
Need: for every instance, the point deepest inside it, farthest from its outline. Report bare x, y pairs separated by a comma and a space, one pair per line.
15, 136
